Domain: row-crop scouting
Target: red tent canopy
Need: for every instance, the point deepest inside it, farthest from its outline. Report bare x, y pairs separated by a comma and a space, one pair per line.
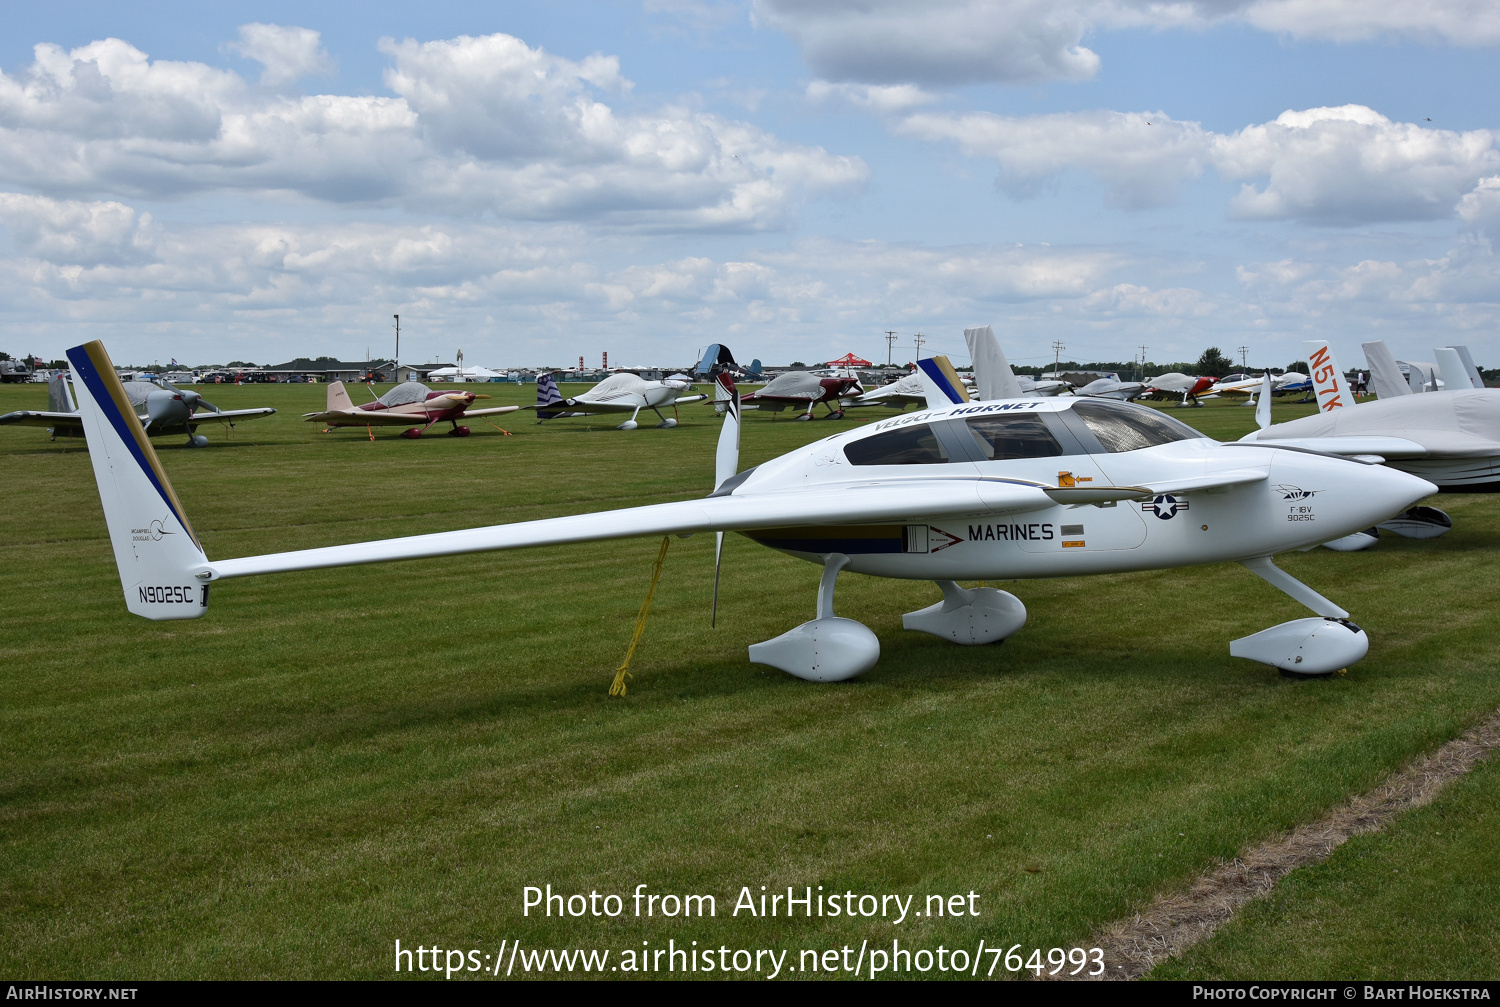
849, 360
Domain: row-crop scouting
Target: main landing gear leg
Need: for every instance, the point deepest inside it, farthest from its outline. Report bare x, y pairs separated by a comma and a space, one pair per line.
630, 424
1302, 647
828, 649
665, 423
969, 617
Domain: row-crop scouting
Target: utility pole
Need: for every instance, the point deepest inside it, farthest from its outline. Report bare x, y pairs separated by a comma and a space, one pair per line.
396, 369
1142, 375
1243, 350
919, 339
1057, 348
890, 342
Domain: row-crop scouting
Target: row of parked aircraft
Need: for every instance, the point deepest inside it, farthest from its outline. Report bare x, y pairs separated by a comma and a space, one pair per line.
998, 484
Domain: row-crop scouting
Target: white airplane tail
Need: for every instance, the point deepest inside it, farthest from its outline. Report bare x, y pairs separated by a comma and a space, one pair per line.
993, 378
1330, 387
338, 398
156, 551
1385, 374
1476, 380
941, 383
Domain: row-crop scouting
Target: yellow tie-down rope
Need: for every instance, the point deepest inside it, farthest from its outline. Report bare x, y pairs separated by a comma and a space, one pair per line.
617, 687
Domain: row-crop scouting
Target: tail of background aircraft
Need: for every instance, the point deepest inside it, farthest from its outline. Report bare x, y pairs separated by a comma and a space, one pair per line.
156, 551
59, 396
338, 398
993, 378
754, 369
1385, 374
941, 383
547, 395
1330, 386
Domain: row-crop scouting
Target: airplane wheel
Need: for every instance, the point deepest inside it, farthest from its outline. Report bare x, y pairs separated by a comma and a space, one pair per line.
804, 416
459, 432
836, 415
411, 434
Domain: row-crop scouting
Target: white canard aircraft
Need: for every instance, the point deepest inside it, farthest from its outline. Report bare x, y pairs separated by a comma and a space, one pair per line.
1451, 438
1011, 489
622, 392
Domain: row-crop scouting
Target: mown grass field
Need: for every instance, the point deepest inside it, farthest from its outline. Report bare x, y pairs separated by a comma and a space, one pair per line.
328, 762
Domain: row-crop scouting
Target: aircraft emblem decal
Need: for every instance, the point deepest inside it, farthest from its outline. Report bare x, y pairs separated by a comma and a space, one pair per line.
158, 529
951, 540
1289, 492
1165, 506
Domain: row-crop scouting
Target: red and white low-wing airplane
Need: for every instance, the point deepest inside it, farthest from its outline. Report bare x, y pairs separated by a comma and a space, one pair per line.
803, 390
410, 404
1177, 383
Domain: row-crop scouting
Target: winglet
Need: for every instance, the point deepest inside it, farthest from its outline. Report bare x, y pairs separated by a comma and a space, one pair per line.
1385, 373
941, 383
1263, 406
993, 378
1330, 387
156, 550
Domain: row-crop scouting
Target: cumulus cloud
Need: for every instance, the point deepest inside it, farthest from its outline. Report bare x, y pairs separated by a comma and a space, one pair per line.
1341, 166
1350, 164
877, 98
955, 42
1141, 157
942, 42
287, 53
477, 124
69, 233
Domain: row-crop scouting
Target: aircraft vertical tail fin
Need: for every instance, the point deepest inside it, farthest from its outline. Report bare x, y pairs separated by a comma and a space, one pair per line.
338, 398
60, 397
1330, 386
1385, 375
993, 378
941, 383
157, 553
1263, 404
1451, 367
754, 369
1475, 378
547, 395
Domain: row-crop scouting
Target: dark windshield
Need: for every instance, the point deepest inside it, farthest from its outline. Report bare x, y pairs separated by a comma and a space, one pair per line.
1013, 436
1121, 426
913, 445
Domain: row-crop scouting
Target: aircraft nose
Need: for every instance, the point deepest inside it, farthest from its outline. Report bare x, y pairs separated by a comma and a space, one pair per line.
1384, 491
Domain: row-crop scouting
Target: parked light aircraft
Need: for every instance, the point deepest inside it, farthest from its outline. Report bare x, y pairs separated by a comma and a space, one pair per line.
1011, 489
1451, 438
161, 407
1177, 383
1112, 388
619, 393
410, 404
803, 390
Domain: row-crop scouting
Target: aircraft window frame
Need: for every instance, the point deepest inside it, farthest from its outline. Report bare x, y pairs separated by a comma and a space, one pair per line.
986, 446
1151, 429
863, 453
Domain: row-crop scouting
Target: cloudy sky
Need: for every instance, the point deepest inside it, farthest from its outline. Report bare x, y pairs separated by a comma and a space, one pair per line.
534, 182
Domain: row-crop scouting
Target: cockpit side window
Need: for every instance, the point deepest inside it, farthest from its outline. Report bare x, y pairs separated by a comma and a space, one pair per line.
913, 445
1013, 436
1123, 427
